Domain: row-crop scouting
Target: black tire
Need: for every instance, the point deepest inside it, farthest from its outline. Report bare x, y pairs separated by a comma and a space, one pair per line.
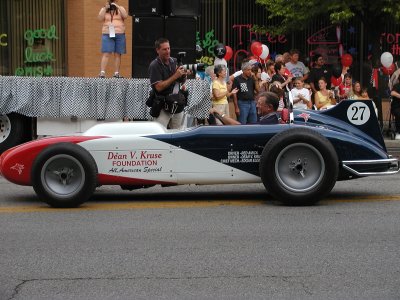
12, 131
64, 175
299, 166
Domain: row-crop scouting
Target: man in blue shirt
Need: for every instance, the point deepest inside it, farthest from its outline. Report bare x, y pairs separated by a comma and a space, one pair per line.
267, 105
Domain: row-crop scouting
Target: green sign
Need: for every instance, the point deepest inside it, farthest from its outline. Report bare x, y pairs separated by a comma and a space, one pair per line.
35, 56
47, 34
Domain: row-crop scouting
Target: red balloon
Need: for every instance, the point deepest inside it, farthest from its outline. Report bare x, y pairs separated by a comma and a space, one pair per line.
336, 81
256, 48
347, 60
229, 53
390, 70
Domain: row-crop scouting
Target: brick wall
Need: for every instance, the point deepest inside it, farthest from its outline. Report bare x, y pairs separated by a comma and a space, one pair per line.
84, 39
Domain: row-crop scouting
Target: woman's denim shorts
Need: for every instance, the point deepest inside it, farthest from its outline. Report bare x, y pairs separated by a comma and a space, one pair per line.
113, 45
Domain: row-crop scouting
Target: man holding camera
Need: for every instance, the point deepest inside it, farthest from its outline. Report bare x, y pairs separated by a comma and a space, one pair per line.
166, 78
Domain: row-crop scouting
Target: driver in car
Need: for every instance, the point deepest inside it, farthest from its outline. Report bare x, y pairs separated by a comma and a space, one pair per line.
267, 106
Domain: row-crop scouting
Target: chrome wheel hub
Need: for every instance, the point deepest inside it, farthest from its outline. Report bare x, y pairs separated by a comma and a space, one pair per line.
299, 167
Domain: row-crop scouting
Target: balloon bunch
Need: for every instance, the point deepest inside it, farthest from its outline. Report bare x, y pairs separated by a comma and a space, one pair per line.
223, 54
259, 50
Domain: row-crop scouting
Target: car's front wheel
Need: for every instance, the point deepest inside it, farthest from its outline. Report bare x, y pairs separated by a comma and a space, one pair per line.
64, 175
299, 166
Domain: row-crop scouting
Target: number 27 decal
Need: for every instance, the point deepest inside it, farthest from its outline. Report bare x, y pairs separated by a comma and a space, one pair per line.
358, 113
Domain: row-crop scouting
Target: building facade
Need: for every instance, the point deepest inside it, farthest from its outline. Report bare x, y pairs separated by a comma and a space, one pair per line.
62, 38
54, 38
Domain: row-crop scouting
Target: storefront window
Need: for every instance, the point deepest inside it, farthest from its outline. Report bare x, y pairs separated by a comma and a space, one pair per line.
32, 39
4, 61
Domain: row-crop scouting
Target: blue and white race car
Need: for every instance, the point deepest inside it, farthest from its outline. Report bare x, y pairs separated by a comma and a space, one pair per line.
298, 162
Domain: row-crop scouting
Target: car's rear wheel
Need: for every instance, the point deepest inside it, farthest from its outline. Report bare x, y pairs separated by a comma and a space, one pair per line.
299, 166
64, 175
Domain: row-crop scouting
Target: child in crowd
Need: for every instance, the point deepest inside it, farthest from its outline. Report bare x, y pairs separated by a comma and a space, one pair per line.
345, 88
364, 93
300, 95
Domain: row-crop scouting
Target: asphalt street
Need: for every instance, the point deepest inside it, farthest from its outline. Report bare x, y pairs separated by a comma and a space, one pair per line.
190, 242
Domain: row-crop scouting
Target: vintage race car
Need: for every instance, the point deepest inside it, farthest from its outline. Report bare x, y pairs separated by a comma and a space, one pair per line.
298, 162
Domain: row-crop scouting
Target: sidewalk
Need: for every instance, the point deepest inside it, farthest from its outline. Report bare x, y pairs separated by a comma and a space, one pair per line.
393, 146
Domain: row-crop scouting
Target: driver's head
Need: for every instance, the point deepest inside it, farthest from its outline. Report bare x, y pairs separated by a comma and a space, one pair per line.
267, 102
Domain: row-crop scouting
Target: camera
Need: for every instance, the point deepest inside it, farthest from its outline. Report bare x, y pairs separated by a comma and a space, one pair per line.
191, 67
195, 67
111, 5
180, 57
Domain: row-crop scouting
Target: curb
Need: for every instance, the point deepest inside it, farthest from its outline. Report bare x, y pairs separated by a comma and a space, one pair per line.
393, 147
392, 143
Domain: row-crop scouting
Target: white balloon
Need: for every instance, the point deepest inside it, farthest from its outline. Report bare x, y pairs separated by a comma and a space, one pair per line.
386, 59
220, 61
265, 52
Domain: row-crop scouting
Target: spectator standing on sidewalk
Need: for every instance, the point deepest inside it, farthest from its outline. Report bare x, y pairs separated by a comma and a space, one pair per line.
395, 107
113, 35
296, 67
220, 91
262, 84
167, 78
285, 57
244, 99
281, 75
318, 71
269, 71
